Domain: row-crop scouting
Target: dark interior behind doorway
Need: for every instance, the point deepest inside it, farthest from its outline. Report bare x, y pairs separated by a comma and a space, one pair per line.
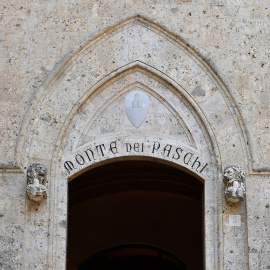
135, 202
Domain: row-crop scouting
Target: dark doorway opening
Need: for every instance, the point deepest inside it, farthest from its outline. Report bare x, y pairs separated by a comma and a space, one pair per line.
136, 203
133, 257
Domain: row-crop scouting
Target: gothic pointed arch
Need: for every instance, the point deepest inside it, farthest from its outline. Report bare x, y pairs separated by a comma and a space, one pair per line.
81, 109
96, 60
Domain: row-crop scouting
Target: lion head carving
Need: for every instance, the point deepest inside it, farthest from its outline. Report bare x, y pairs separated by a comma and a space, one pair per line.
234, 171
37, 171
234, 179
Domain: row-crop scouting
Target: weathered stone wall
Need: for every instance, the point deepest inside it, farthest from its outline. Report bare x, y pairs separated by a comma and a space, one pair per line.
12, 214
231, 35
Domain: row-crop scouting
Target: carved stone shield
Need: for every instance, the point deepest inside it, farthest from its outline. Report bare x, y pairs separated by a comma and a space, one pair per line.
137, 104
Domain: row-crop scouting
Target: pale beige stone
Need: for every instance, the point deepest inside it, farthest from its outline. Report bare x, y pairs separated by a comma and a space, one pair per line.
65, 70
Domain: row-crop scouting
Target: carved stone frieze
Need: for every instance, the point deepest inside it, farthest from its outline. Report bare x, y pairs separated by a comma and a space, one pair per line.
234, 179
36, 182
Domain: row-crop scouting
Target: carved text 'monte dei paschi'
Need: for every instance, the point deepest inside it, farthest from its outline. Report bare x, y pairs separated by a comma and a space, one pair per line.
155, 148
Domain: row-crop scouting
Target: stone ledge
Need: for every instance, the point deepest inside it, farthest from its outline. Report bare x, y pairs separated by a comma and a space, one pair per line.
10, 168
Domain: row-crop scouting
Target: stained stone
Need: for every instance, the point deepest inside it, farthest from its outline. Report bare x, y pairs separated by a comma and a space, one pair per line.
70, 75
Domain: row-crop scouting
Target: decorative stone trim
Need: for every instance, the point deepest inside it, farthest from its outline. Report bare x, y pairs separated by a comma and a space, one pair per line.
36, 181
9, 168
234, 179
81, 106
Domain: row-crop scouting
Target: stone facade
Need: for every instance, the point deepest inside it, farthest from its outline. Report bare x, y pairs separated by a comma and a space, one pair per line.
66, 69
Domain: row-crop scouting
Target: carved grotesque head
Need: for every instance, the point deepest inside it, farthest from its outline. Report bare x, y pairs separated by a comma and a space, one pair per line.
233, 172
37, 170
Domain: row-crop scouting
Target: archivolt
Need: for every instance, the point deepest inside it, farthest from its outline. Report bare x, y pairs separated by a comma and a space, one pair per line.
135, 41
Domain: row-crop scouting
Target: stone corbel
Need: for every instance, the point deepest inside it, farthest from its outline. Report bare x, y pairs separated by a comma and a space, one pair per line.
36, 182
234, 180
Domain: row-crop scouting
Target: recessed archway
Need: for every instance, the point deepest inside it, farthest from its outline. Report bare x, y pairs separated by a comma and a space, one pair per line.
135, 202
181, 85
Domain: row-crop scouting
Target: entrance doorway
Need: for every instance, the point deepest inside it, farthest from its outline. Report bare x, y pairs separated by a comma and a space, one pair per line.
135, 214
133, 257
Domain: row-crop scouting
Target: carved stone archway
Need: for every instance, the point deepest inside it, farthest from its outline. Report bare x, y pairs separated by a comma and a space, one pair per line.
73, 120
